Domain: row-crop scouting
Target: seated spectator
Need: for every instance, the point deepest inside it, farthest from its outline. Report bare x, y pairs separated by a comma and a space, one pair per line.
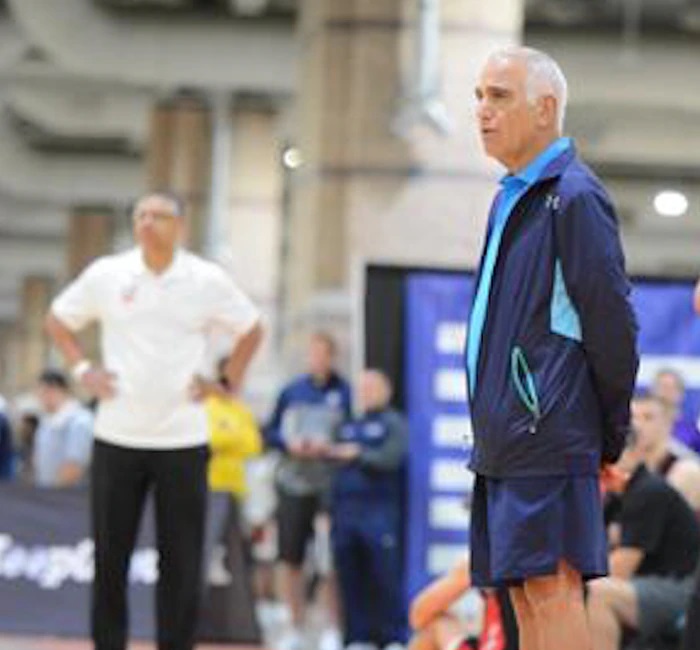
651, 568
691, 635
7, 452
670, 389
653, 425
439, 621
26, 434
366, 511
63, 441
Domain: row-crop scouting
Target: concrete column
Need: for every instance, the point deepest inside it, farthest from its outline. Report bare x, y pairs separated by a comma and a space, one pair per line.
217, 244
9, 358
179, 158
90, 235
255, 186
366, 193
248, 245
36, 295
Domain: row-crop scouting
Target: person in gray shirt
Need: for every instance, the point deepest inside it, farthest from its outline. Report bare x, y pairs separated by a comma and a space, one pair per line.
307, 411
63, 441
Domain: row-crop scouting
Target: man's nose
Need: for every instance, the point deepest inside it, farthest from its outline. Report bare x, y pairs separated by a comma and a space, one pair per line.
483, 110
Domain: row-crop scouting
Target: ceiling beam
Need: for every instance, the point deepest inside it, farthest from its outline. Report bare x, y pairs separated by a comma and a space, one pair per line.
204, 51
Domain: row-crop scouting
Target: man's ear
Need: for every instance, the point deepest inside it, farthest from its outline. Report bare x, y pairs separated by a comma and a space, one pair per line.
546, 111
183, 231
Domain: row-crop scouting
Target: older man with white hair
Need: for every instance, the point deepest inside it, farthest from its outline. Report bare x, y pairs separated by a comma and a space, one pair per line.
551, 357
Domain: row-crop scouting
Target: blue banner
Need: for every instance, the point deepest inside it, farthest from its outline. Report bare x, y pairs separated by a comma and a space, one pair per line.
437, 306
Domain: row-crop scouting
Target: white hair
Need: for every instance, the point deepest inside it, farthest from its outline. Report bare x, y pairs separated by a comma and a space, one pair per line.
544, 76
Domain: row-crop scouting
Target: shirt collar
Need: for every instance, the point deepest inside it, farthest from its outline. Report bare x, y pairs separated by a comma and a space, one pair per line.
639, 473
60, 417
534, 170
139, 268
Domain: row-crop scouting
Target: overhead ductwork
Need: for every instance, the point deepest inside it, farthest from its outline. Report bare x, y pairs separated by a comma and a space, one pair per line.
167, 53
79, 109
64, 179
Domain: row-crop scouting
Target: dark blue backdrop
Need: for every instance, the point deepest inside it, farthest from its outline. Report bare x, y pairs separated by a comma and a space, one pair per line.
437, 307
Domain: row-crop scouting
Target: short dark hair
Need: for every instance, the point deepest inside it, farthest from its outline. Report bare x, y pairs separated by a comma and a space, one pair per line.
648, 396
167, 194
55, 379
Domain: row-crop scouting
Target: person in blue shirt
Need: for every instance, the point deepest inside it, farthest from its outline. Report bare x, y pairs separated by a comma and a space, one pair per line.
669, 387
307, 411
366, 508
63, 442
551, 357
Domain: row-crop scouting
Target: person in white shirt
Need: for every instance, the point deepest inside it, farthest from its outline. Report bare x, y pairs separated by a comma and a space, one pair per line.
63, 439
157, 306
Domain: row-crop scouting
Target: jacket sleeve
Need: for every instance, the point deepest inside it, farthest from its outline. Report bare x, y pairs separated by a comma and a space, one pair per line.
272, 431
589, 248
389, 456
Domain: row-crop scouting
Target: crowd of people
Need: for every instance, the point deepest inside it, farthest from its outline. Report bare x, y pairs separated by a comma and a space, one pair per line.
585, 513
327, 496
319, 481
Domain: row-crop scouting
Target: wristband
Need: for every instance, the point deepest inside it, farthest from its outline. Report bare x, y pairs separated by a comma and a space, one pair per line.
79, 370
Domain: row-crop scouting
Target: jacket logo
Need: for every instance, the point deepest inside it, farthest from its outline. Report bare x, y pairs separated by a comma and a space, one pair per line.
552, 201
374, 430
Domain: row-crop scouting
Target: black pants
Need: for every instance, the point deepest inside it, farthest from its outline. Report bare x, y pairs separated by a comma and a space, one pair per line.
121, 480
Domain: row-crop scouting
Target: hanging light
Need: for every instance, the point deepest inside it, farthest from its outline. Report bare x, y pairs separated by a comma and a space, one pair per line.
671, 203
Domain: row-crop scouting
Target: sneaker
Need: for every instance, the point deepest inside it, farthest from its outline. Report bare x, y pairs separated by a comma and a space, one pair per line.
330, 639
290, 640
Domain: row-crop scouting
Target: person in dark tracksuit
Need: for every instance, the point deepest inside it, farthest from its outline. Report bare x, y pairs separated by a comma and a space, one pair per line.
551, 357
366, 506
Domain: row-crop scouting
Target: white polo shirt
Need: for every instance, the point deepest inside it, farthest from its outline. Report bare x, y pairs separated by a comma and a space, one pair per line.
155, 330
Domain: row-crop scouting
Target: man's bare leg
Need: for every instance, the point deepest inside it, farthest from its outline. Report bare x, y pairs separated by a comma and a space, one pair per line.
292, 592
527, 626
558, 609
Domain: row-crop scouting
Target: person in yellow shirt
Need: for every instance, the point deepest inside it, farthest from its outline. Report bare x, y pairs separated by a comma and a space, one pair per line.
233, 438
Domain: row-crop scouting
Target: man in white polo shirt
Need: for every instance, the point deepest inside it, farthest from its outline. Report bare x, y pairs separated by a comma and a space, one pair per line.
157, 305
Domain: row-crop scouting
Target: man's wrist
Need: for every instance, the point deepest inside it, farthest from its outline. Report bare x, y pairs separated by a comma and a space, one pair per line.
80, 369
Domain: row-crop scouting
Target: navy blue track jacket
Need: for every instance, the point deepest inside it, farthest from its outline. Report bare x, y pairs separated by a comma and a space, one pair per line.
374, 478
549, 403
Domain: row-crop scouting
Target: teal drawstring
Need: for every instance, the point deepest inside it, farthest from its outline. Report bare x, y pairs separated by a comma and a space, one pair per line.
519, 370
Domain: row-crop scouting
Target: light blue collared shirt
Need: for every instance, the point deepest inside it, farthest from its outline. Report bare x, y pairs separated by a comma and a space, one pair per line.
514, 187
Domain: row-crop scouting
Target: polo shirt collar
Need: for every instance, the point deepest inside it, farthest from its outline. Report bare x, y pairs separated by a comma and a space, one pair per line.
541, 166
176, 268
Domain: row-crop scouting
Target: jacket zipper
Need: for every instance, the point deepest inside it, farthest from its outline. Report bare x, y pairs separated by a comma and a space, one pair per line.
499, 256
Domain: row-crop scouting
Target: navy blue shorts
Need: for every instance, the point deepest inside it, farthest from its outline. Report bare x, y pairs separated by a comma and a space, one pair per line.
523, 527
